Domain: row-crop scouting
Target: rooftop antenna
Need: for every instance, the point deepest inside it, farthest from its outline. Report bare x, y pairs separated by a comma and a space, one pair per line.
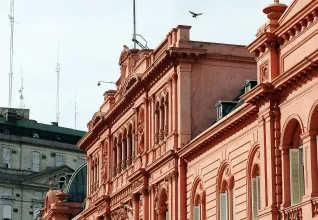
21, 91
11, 17
75, 114
135, 34
57, 70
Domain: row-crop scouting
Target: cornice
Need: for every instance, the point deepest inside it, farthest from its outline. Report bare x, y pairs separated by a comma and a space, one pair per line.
164, 60
295, 19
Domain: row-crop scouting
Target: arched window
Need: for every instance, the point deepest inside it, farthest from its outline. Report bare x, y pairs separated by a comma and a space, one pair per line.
226, 194
198, 202
256, 189
62, 181
293, 163
162, 212
254, 183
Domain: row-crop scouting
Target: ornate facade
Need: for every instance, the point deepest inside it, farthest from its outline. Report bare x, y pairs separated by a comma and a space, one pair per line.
167, 144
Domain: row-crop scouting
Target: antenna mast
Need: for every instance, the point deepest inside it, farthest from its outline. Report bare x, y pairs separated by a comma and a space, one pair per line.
11, 17
75, 110
134, 12
135, 34
57, 70
21, 91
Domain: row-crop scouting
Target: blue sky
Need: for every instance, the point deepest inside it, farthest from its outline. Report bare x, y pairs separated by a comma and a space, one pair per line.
91, 35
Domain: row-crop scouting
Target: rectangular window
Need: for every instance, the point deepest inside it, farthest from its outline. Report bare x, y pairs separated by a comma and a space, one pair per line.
59, 160
6, 157
167, 215
7, 212
219, 112
223, 206
36, 162
7, 192
196, 213
247, 88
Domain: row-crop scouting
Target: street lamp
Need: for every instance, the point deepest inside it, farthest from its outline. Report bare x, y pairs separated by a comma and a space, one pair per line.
99, 82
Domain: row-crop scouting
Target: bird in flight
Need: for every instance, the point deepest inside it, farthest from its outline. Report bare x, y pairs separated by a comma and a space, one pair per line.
195, 15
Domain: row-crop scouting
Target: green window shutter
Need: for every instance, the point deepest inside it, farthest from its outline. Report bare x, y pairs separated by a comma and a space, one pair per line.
294, 165
223, 206
196, 213
258, 193
233, 202
254, 198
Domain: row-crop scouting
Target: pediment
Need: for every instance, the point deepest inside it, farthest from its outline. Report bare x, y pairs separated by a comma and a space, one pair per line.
130, 81
96, 118
295, 7
45, 177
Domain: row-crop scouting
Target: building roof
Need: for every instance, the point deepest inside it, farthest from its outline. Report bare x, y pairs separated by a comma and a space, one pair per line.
31, 124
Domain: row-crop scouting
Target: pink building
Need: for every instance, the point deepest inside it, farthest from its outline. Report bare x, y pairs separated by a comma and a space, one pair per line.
203, 131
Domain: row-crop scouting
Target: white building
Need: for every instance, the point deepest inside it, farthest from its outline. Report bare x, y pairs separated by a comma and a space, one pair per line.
31, 156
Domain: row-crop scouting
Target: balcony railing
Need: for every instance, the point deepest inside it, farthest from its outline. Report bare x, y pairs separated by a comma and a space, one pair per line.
315, 206
292, 213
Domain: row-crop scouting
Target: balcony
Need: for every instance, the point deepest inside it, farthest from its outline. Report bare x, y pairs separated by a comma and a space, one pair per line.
292, 213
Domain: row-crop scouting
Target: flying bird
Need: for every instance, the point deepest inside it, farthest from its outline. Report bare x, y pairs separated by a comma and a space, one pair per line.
195, 15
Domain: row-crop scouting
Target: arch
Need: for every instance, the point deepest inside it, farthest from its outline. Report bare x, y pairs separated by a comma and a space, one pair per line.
225, 190
130, 81
222, 167
253, 163
291, 122
313, 118
97, 117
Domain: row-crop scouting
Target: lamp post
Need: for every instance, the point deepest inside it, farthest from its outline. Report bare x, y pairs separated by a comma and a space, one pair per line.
99, 83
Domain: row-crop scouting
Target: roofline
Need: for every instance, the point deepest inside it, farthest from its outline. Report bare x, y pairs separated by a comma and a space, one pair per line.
40, 142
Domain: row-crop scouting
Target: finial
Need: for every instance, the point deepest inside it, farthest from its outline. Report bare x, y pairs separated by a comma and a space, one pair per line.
275, 11
51, 185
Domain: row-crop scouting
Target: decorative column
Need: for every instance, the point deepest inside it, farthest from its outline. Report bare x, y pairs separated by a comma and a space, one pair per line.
135, 204
181, 204
285, 176
114, 160
133, 151
161, 121
166, 118
170, 129
118, 157
124, 152
144, 200
128, 149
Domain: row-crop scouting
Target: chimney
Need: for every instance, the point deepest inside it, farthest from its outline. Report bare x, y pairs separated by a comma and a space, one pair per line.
10, 116
54, 123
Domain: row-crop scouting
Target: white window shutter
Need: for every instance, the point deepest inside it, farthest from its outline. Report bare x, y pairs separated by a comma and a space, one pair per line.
294, 176
301, 172
196, 213
223, 206
6, 157
7, 211
36, 162
254, 198
59, 160
258, 193
233, 203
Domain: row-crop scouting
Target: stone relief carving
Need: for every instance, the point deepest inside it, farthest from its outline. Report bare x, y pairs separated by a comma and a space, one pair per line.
141, 124
264, 73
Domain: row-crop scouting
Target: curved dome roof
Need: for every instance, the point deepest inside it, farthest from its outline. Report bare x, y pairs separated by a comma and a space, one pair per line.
77, 186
